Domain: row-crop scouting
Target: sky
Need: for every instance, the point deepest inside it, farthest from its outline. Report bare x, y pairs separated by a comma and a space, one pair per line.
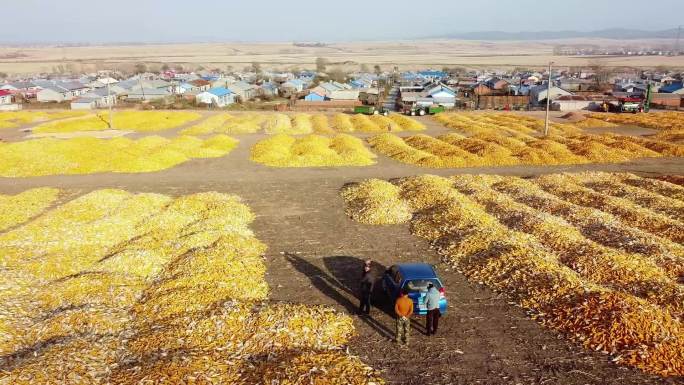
309, 20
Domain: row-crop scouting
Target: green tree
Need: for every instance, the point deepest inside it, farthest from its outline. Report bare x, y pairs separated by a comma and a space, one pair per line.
364, 67
3, 75
377, 69
165, 67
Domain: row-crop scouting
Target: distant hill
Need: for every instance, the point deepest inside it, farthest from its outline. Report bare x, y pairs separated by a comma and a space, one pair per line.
615, 33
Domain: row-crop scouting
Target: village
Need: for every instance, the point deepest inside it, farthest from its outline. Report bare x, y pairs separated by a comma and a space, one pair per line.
326, 88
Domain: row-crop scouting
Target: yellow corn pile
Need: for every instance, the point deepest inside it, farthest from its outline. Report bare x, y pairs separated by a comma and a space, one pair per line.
49, 156
312, 151
142, 121
121, 288
597, 256
490, 149
17, 209
502, 124
13, 119
669, 124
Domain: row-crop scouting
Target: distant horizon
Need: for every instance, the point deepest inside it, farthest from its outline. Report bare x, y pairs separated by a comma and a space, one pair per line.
174, 21
454, 36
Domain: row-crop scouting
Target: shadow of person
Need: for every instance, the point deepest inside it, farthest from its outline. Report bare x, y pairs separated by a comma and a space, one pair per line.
347, 271
335, 290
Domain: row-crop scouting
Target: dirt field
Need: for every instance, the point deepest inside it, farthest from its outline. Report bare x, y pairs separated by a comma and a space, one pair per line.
405, 54
315, 255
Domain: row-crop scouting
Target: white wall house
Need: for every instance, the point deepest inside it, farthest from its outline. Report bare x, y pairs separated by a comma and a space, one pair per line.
219, 97
53, 95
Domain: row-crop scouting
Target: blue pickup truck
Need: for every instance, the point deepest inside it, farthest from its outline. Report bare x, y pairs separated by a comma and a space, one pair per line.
414, 277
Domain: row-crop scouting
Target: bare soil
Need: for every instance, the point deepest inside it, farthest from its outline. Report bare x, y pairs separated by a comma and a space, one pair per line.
315, 257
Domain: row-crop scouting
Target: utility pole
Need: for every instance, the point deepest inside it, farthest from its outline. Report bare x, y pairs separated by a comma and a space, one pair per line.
548, 103
109, 101
678, 49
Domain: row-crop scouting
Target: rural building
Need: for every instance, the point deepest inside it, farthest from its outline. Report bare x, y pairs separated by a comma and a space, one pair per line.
26, 89
369, 96
199, 85
84, 103
442, 95
53, 94
268, 89
243, 90
344, 95
141, 93
314, 96
5, 97
574, 103
538, 93
219, 97
671, 87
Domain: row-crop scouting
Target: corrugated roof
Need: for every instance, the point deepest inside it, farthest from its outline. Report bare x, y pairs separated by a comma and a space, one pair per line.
220, 91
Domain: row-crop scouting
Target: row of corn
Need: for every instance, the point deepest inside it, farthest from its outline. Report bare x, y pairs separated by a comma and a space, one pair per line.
490, 149
121, 288
14, 119
302, 124
599, 266
140, 121
87, 155
312, 151
670, 125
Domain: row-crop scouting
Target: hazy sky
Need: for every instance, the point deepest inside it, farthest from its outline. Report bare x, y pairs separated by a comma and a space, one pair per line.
278, 20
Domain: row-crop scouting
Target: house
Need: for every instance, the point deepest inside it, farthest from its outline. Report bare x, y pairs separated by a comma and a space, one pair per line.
53, 94
442, 95
219, 97
243, 90
268, 89
344, 95
482, 89
574, 103
5, 97
497, 84
84, 103
314, 96
200, 85
26, 89
369, 96
671, 87
291, 87
142, 93
538, 93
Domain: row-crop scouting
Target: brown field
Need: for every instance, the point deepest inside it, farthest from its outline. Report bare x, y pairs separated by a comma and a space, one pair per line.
405, 54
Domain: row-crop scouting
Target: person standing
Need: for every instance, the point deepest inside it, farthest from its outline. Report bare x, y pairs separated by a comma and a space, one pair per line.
403, 309
433, 313
366, 290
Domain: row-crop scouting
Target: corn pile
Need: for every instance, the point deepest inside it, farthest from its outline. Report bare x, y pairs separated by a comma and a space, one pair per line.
376, 202
13, 119
48, 156
17, 209
121, 288
210, 125
312, 151
490, 149
669, 124
508, 124
141, 121
606, 274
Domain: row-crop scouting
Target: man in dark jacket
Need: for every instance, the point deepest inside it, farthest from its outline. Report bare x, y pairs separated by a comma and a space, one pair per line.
366, 290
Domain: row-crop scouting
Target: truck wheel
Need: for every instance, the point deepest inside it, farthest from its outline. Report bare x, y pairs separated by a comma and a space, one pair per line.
413, 113
376, 112
421, 112
386, 113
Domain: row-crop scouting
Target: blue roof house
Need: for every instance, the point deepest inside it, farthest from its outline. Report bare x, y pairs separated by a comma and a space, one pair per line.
219, 97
